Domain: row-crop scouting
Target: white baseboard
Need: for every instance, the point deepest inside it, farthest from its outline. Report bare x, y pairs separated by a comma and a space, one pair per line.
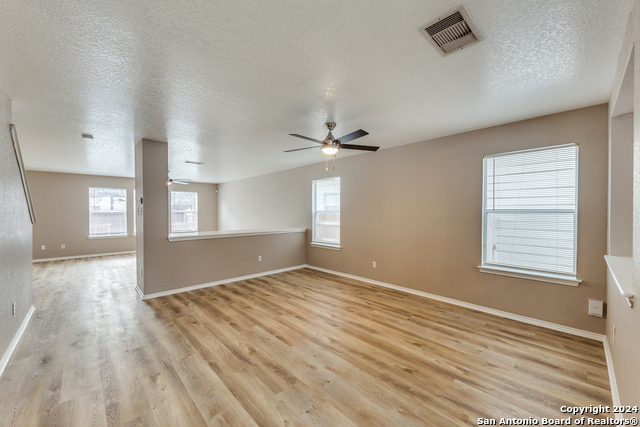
82, 256
505, 314
216, 283
140, 292
613, 384
14, 342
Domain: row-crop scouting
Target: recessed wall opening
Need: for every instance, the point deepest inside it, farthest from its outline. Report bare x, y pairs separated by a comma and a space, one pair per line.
620, 236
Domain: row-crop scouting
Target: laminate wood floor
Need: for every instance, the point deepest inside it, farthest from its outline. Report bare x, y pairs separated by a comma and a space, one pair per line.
301, 348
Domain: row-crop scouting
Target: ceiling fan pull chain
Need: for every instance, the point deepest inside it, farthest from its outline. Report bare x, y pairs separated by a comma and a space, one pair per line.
326, 163
334, 162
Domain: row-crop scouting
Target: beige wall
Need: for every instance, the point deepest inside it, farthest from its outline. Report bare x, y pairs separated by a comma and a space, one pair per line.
172, 265
61, 202
207, 203
15, 236
625, 350
417, 211
620, 241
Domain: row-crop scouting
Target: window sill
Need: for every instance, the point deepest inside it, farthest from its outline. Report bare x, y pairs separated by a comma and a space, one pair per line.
524, 274
191, 235
325, 246
115, 236
621, 269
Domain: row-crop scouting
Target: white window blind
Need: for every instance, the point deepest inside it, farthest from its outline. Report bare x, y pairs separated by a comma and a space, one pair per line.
184, 211
326, 211
530, 210
107, 211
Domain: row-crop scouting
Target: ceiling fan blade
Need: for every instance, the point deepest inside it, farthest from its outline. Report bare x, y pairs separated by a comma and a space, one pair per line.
359, 147
305, 137
298, 149
182, 182
353, 135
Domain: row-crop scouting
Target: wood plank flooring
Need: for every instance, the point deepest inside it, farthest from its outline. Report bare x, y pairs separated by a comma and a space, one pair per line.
301, 348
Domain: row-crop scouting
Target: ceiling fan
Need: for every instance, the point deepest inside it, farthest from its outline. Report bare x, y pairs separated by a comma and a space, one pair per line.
181, 181
330, 145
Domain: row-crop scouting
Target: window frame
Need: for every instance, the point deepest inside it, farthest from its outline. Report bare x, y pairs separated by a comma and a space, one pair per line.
522, 272
115, 235
171, 231
314, 240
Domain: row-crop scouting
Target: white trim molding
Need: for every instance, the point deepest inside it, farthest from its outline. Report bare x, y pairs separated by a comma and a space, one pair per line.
621, 268
505, 314
613, 384
110, 236
524, 274
325, 246
14, 342
82, 256
216, 283
199, 235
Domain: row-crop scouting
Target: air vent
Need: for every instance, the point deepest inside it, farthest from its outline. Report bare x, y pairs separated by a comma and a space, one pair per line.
451, 32
191, 162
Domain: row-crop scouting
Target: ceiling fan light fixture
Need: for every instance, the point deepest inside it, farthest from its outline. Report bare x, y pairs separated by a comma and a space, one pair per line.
330, 149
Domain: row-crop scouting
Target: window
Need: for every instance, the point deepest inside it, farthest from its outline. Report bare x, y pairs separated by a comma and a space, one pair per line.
107, 212
530, 213
135, 211
184, 211
326, 211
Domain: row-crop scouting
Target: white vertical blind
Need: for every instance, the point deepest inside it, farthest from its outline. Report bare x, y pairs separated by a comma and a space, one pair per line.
530, 215
326, 211
184, 211
107, 211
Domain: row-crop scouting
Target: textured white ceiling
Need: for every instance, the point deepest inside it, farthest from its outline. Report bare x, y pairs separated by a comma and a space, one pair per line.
226, 82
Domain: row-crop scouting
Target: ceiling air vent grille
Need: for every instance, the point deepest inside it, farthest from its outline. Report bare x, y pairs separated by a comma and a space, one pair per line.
451, 32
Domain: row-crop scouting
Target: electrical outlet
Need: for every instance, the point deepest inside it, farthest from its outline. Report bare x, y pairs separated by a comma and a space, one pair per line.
614, 334
259, 258
61, 246
13, 309
374, 264
42, 248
